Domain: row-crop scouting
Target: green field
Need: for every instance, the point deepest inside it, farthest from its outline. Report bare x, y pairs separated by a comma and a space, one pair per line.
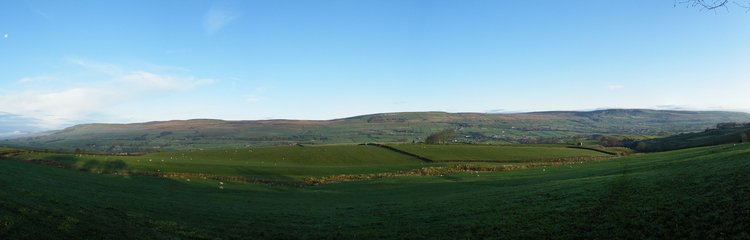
5, 149
700, 193
292, 164
284, 164
506, 153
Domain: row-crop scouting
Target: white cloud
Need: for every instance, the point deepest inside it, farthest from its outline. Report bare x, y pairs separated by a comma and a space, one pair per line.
9, 135
151, 81
681, 107
11, 124
217, 18
142, 79
57, 108
93, 99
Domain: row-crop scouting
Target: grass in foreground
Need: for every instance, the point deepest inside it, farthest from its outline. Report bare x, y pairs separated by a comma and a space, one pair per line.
701, 193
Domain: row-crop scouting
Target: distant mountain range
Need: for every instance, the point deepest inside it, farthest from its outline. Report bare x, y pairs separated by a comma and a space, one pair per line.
534, 127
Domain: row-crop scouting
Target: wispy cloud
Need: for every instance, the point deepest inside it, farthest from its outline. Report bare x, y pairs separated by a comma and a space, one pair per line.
112, 86
256, 95
218, 17
151, 81
143, 79
501, 111
11, 124
36, 79
675, 107
98, 67
57, 108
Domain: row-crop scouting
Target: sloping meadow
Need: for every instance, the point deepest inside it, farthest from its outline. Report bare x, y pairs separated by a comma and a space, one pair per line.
698, 193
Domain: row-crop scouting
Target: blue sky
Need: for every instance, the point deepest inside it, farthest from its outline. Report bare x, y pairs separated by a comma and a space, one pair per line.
68, 62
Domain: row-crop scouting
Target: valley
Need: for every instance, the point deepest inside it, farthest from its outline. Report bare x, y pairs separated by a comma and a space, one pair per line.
389, 190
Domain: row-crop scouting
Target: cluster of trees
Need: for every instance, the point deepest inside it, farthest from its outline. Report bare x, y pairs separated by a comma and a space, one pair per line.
614, 141
442, 137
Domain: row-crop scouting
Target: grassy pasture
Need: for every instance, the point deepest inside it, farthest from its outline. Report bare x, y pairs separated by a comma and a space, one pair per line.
700, 193
5, 149
492, 153
289, 163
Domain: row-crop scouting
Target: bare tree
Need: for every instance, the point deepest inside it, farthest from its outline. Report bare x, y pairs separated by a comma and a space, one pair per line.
714, 4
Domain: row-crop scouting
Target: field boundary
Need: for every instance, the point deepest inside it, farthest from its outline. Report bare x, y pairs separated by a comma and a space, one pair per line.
424, 159
433, 171
315, 181
594, 149
554, 160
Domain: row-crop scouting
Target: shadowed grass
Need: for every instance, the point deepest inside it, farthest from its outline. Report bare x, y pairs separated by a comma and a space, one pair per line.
700, 193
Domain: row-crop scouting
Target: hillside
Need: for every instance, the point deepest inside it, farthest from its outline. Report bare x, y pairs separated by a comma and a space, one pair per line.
535, 127
699, 193
737, 133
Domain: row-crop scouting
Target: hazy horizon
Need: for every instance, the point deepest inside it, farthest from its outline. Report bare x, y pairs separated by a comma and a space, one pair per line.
139, 61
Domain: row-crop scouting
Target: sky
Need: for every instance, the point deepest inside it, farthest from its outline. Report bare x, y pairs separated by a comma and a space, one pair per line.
69, 62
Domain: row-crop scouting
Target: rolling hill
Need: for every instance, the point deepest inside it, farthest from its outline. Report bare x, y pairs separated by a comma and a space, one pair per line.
216, 186
535, 127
